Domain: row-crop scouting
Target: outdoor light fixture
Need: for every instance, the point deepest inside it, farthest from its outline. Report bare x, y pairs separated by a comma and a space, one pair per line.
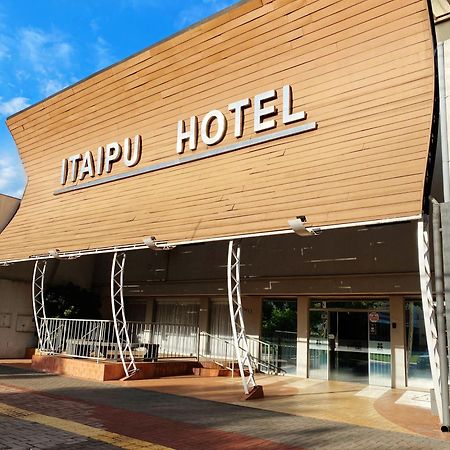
298, 225
153, 244
55, 253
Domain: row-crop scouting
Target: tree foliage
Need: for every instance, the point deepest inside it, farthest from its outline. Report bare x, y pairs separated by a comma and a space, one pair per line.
277, 315
69, 301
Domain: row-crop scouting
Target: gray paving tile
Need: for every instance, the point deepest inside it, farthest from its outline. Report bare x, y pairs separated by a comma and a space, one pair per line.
296, 431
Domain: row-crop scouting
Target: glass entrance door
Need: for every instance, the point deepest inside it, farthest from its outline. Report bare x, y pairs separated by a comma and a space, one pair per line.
380, 348
348, 344
350, 341
318, 345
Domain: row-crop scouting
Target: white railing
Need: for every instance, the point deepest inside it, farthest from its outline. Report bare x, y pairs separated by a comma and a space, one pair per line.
265, 356
217, 349
172, 340
221, 351
95, 339
81, 338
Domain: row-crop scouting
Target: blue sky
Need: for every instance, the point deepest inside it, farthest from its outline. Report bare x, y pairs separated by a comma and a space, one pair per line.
46, 45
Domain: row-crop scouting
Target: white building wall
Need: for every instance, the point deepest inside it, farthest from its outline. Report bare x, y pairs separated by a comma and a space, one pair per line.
17, 330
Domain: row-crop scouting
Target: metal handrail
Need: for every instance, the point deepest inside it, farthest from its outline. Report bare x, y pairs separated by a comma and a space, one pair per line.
217, 349
94, 339
265, 356
173, 340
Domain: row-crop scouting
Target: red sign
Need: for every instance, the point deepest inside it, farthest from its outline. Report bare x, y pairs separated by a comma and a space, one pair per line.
374, 317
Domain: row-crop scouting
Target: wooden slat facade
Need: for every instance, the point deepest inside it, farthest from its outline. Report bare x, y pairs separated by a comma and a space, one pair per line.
363, 70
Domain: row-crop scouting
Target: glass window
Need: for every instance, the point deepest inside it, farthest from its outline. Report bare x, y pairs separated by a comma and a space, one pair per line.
318, 345
279, 327
176, 329
168, 312
220, 323
350, 304
417, 360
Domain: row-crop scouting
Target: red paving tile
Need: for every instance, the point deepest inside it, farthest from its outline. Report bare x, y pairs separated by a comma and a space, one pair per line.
183, 422
415, 419
141, 426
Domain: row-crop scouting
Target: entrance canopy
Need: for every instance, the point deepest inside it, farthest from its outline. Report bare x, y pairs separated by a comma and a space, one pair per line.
267, 111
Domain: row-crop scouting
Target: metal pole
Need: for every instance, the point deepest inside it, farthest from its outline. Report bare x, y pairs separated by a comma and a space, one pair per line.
236, 316
445, 236
440, 315
443, 122
40, 317
429, 313
118, 310
198, 343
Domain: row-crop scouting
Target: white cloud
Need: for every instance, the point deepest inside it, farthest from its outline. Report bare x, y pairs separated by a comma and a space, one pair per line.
3, 19
103, 53
63, 51
33, 43
4, 50
94, 25
7, 173
201, 10
12, 176
49, 56
141, 4
22, 75
13, 105
44, 50
49, 86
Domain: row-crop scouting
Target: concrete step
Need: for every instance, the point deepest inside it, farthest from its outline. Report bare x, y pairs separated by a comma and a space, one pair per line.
213, 369
210, 372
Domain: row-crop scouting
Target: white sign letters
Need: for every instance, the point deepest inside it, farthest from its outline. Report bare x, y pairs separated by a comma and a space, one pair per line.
264, 115
211, 130
78, 166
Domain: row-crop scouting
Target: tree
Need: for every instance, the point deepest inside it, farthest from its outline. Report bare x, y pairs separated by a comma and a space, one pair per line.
281, 316
72, 302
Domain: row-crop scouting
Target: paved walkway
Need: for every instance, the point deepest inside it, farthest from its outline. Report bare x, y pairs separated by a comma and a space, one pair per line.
41, 411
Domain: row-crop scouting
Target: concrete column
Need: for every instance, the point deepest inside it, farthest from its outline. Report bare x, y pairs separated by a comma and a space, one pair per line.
302, 336
397, 310
252, 307
150, 310
252, 315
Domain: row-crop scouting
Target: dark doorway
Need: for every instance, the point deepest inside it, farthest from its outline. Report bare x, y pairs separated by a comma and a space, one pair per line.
348, 344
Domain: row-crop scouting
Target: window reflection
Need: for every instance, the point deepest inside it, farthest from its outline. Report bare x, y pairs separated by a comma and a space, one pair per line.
418, 362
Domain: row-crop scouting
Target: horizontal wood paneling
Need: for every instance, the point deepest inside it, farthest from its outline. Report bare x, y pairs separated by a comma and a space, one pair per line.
362, 69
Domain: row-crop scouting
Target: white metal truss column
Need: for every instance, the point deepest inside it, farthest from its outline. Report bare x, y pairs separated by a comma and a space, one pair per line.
423, 245
118, 310
44, 341
237, 319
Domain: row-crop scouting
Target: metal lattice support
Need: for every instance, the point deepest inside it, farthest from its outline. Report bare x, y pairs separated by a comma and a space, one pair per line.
118, 310
423, 245
44, 341
237, 320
